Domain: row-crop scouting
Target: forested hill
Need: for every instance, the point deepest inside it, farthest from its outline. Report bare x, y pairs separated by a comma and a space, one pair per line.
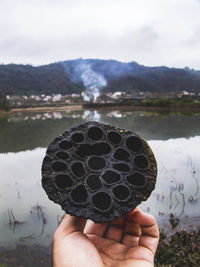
26, 79
74, 75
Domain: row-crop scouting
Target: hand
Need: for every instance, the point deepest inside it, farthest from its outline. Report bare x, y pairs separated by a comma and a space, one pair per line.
130, 241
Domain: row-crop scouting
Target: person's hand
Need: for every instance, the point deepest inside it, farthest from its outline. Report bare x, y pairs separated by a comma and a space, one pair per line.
130, 241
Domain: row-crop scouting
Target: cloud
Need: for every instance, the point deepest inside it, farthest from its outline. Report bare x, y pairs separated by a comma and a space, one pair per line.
153, 32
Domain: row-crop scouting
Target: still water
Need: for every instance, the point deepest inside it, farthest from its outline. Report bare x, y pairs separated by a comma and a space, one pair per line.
26, 214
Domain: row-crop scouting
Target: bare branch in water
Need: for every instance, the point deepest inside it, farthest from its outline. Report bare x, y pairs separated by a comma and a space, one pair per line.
44, 220
24, 238
183, 208
12, 221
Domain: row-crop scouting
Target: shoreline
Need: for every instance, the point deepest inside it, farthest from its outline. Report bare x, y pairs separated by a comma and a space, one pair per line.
142, 108
61, 108
104, 107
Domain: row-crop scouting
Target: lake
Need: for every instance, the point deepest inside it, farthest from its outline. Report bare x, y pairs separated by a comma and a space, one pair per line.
24, 136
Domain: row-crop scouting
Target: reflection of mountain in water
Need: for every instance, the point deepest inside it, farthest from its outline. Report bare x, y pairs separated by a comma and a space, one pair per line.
155, 126
30, 130
28, 134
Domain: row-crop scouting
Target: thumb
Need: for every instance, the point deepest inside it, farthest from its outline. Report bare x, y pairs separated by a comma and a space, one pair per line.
70, 224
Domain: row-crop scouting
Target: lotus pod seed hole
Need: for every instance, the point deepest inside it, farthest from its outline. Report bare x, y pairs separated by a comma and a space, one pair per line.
96, 163
79, 194
59, 166
121, 192
65, 144
84, 150
77, 137
111, 177
63, 181
141, 161
95, 133
102, 202
114, 137
136, 179
62, 155
78, 169
121, 154
101, 148
93, 182
122, 167
134, 143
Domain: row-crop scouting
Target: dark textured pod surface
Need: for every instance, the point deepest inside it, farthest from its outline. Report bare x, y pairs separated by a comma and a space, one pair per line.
98, 171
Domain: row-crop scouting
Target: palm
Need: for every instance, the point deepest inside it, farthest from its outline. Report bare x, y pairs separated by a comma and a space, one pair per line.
113, 253
128, 239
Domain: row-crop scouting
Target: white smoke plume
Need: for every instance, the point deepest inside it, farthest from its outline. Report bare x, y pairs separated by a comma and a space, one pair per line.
92, 81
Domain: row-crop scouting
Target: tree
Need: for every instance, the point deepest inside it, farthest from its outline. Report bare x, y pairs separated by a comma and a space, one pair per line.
4, 104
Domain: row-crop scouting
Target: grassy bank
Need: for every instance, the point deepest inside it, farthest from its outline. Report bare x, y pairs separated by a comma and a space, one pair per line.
48, 108
185, 102
181, 249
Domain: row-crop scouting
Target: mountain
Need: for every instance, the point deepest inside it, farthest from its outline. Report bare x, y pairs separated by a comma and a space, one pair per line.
74, 76
26, 79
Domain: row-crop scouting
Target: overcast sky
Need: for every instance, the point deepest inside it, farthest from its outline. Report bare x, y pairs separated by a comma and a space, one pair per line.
151, 32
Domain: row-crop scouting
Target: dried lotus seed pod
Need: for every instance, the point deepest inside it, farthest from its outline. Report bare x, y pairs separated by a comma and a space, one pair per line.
98, 171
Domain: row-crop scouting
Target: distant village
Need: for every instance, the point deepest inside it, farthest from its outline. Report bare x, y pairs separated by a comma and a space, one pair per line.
74, 99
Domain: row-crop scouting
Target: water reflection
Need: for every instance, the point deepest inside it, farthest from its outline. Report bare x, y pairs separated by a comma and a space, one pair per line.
91, 115
26, 214
177, 189
23, 130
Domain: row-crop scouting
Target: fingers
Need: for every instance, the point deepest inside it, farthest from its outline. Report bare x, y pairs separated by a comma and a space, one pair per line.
95, 228
112, 231
149, 229
70, 224
119, 230
132, 232
146, 221
135, 228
